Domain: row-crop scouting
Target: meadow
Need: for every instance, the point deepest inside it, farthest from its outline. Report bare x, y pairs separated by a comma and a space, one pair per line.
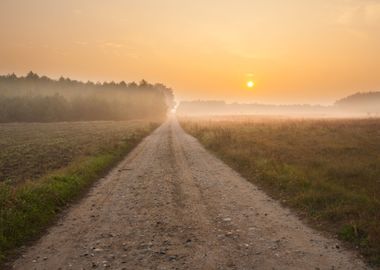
30, 150
45, 166
326, 170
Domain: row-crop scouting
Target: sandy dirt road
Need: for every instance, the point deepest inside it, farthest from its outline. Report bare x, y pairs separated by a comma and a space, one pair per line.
172, 205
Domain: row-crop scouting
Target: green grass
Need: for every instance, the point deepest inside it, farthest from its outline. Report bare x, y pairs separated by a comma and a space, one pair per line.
326, 170
27, 208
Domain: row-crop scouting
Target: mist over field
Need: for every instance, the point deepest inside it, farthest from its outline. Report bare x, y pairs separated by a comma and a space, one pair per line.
40, 99
167, 134
356, 105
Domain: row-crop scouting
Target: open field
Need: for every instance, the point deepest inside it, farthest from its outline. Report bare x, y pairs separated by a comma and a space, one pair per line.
45, 166
29, 151
327, 170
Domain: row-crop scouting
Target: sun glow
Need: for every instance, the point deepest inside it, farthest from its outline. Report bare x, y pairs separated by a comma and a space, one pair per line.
250, 84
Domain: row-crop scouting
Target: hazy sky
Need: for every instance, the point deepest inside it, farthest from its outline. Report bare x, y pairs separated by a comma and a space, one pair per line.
295, 50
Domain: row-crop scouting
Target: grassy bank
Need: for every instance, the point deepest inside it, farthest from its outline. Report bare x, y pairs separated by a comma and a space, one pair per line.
327, 170
27, 207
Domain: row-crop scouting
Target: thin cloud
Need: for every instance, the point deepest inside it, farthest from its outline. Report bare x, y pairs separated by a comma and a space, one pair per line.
81, 43
360, 15
372, 13
112, 45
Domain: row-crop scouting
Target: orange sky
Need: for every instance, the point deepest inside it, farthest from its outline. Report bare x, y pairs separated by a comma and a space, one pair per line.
311, 51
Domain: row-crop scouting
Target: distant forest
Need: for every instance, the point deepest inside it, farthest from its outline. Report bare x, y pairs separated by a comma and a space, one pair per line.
40, 99
360, 104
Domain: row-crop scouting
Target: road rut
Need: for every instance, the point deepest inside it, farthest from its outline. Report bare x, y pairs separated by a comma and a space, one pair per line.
172, 205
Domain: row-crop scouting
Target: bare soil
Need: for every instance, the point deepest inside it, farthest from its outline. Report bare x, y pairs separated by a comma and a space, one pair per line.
172, 205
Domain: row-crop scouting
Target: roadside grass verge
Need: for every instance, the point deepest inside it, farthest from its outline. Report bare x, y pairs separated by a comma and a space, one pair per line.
326, 170
28, 208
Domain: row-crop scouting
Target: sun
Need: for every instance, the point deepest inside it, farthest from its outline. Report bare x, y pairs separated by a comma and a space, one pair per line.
250, 84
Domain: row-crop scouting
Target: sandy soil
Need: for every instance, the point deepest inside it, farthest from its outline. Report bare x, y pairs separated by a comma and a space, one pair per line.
172, 205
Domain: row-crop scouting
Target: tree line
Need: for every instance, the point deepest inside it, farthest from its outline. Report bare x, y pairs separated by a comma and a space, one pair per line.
359, 104
34, 98
368, 102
